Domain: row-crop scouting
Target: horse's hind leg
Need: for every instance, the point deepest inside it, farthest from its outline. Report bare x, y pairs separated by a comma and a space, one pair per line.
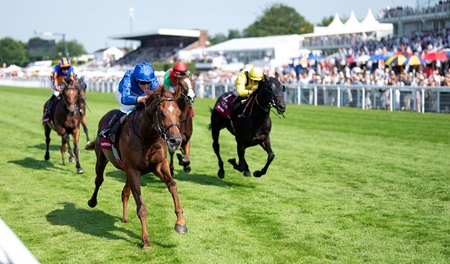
125, 198
243, 166
270, 156
215, 132
47, 131
85, 129
76, 138
99, 169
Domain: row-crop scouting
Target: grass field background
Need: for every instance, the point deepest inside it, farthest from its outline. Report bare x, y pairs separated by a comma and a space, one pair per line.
346, 186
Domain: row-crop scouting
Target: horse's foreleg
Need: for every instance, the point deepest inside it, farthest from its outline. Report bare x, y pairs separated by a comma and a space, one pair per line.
133, 178
76, 138
99, 169
215, 132
270, 156
171, 163
163, 172
47, 131
125, 197
185, 159
243, 166
62, 149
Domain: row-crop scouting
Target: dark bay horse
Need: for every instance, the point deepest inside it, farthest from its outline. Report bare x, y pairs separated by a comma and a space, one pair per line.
82, 86
142, 144
187, 97
66, 121
253, 129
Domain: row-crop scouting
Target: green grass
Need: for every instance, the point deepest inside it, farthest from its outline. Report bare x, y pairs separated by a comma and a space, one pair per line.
346, 186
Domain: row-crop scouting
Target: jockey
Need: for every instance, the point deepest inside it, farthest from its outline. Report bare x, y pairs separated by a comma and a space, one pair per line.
61, 74
173, 74
131, 92
246, 83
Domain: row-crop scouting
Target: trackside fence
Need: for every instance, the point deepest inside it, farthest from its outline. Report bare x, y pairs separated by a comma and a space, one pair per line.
392, 98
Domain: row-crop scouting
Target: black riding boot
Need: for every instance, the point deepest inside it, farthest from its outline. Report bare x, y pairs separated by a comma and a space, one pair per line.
106, 132
48, 107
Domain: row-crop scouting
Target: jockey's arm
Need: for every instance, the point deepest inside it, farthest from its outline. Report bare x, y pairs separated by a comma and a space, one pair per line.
240, 85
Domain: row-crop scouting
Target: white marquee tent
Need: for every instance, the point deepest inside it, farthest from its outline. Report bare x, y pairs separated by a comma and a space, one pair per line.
353, 25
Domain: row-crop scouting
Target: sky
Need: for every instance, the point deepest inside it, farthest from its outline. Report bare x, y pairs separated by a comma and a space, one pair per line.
93, 22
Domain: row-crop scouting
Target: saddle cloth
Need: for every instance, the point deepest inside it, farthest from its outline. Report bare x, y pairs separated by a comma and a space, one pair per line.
224, 106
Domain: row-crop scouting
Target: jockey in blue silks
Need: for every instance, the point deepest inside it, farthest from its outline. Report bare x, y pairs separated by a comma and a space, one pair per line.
131, 92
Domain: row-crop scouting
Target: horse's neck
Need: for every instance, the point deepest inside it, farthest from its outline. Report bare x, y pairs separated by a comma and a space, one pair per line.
183, 105
142, 125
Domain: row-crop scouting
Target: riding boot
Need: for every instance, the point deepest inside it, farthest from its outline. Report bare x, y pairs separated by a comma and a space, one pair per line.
106, 132
48, 108
244, 112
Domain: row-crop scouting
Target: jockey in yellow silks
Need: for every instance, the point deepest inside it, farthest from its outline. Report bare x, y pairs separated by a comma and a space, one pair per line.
246, 82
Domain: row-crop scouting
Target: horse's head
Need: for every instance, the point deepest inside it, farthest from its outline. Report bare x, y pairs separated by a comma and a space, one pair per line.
272, 91
71, 96
82, 86
186, 85
163, 107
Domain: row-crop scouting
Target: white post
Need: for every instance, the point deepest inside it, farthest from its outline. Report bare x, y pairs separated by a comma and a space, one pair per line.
315, 95
423, 100
390, 99
299, 94
338, 97
363, 98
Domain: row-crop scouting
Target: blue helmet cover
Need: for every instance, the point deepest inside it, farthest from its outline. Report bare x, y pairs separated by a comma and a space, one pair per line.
144, 72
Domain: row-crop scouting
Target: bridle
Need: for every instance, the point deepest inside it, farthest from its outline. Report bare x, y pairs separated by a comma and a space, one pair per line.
269, 98
68, 105
158, 125
185, 93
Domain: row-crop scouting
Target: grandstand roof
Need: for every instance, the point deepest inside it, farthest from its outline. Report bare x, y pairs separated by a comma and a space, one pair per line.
189, 33
257, 43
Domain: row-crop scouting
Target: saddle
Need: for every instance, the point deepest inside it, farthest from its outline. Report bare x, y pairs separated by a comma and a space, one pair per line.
224, 107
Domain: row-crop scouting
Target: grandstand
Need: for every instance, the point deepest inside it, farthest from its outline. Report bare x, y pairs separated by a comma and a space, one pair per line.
162, 45
427, 17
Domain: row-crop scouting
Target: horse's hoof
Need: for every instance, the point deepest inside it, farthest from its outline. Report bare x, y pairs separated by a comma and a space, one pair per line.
88, 142
247, 173
221, 174
257, 173
92, 203
72, 159
187, 169
146, 246
182, 229
80, 170
47, 156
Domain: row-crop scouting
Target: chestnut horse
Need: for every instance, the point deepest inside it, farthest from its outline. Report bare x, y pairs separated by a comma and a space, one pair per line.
82, 86
142, 144
187, 97
66, 121
252, 129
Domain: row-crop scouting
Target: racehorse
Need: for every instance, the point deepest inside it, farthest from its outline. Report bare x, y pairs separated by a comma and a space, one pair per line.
82, 89
142, 144
66, 121
252, 129
187, 96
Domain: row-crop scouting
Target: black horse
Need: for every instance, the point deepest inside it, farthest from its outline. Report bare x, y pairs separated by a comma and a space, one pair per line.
250, 129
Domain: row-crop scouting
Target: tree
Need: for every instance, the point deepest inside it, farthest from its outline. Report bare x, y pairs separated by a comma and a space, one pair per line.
278, 19
234, 33
326, 21
41, 49
13, 52
74, 48
217, 39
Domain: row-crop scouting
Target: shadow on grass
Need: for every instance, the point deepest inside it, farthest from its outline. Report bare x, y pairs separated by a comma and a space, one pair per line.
43, 146
32, 163
203, 179
95, 223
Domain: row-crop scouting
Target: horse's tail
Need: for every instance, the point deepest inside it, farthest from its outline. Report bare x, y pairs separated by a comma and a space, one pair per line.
90, 146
